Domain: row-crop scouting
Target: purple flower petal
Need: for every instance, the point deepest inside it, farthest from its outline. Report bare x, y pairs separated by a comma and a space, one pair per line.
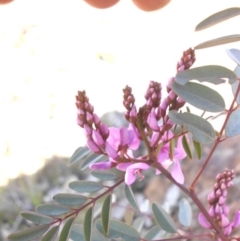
98, 138
93, 146
203, 221
124, 136
130, 175
111, 151
152, 121
102, 165
179, 152
177, 172
123, 166
236, 221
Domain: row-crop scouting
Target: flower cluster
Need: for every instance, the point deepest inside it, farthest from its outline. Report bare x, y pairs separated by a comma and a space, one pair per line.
218, 209
149, 124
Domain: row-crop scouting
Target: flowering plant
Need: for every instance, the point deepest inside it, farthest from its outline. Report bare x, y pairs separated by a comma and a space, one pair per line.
168, 132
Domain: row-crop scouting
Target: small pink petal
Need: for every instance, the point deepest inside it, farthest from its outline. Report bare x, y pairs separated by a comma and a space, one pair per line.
102, 165
130, 177
104, 130
88, 130
224, 220
177, 172
93, 146
111, 151
203, 221
124, 136
123, 166
236, 221
179, 152
227, 231
98, 138
163, 155
152, 121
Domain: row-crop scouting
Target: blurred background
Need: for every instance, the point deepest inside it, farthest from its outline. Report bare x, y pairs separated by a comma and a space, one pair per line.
50, 49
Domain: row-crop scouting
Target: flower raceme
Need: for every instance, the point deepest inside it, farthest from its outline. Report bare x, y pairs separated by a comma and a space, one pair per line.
218, 209
150, 125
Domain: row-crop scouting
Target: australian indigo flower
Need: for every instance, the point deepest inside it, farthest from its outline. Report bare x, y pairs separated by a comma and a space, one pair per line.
218, 208
149, 124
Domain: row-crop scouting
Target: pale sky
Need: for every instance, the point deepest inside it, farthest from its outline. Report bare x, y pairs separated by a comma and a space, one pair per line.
49, 49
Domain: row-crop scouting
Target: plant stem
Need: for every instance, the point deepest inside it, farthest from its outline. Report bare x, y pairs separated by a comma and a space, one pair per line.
231, 109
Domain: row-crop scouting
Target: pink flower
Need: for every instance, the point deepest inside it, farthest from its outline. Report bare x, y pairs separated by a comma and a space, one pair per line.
123, 138
164, 157
132, 170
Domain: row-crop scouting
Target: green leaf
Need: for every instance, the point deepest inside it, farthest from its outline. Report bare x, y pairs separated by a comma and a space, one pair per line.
217, 18
235, 84
200, 96
201, 129
87, 226
77, 234
214, 74
185, 213
186, 147
52, 209
171, 149
85, 186
138, 223
154, 233
36, 217
66, 230
233, 124
198, 149
130, 197
29, 233
106, 210
51, 234
79, 154
218, 41
92, 159
104, 175
69, 199
234, 90
119, 229
163, 219
234, 54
